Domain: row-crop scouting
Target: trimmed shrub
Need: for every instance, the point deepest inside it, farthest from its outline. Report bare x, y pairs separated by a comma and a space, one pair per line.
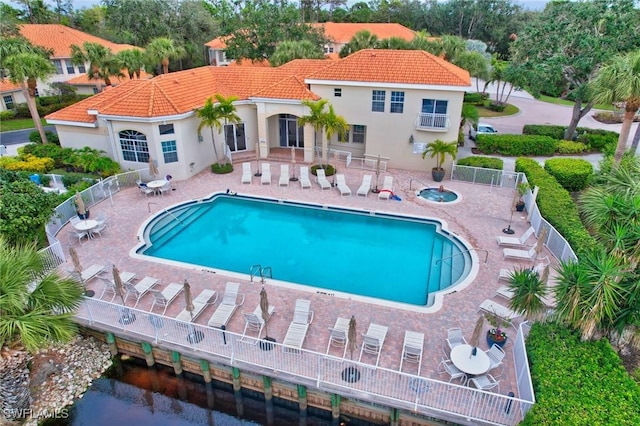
572, 173
7, 115
482, 162
28, 163
517, 145
599, 142
556, 132
578, 383
329, 170
495, 106
569, 147
51, 137
71, 179
556, 205
56, 152
221, 169
474, 98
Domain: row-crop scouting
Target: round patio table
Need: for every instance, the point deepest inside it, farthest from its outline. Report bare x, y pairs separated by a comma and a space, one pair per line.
85, 225
157, 184
470, 364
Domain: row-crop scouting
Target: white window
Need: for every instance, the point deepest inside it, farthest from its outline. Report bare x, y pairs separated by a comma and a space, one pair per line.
70, 68
134, 146
434, 113
377, 101
166, 129
8, 101
397, 102
170, 151
355, 134
81, 69
58, 64
337, 92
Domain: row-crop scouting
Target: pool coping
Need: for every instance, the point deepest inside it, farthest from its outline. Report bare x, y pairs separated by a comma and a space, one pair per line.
447, 203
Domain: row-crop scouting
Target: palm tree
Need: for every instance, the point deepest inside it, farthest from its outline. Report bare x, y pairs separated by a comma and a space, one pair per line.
102, 62
133, 60
324, 121
528, 291
290, 50
160, 50
335, 125
439, 149
31, 317
361, 40
25, 69
217, 115
619, 80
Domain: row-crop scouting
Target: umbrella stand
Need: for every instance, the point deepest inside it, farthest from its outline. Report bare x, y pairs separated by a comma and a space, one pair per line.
376, 190
293, 177
266, 344
351, 374
258, 173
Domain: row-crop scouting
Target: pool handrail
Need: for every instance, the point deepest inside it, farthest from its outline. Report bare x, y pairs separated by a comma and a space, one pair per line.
465, 251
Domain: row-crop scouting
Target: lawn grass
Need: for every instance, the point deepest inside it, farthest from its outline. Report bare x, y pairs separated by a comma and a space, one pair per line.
566, 102
18, 124
483, 111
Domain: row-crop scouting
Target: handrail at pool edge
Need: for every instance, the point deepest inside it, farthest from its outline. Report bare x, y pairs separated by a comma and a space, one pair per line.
465, 251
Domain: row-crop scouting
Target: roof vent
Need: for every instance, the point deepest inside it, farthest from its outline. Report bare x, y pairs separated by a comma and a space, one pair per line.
92, 111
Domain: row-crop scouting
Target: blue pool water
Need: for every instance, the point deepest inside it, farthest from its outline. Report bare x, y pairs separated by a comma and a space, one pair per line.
381, 256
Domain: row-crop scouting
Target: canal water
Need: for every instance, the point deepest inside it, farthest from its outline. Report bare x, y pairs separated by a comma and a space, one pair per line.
133, 394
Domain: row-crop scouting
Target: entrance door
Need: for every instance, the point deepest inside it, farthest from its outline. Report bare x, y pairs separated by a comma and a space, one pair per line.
234, 137
290, 133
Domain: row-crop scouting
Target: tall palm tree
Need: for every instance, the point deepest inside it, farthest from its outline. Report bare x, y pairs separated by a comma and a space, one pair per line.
160, 50
133, 60
36, 309
295, 49
217, 115
528, 293
324, 121
25, 69
334, 124
102, 62
619, 80
316, 119
363, 39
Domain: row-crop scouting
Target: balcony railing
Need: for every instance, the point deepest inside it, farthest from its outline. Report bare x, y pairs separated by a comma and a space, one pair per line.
432, 122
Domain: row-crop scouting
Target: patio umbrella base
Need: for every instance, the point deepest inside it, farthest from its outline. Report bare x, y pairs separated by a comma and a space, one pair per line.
350, 375
375, 191
195, 337
127, 318
508, 230
266, 345
89, 293
293, 179
258, 174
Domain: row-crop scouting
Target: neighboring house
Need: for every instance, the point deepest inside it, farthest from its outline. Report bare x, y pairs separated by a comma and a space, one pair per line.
338, 35
395, 101
11, 95
87, 86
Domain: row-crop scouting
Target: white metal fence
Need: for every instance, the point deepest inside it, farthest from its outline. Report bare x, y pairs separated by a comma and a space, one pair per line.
388, 387
521, 362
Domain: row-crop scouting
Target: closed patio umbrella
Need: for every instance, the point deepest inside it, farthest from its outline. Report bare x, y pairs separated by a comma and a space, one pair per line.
544, 277
541, 240
188, 298
264, 307
351, 335
293, 177
77, 267
153, 169
117, 282
80, 207
258, 172
475, 336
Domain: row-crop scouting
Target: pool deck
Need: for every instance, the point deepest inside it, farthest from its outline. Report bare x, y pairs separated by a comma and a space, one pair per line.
478, 218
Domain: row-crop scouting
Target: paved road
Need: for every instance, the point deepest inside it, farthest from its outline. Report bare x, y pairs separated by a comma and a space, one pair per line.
20, 136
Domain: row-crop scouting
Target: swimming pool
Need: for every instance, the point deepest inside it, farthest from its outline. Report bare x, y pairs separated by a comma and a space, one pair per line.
384, 256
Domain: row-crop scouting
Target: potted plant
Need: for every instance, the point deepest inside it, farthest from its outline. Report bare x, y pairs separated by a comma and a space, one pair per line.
439, 149
495, 335
522, 190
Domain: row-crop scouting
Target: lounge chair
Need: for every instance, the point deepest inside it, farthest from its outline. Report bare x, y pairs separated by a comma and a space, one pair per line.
338, 335
265, 179
505, 291
372, 341
515, 242
342, 185
108, 286
205, 298
505, 274
284, 175
255, 322
501, 311
230, 302
297, 331
387, 188
365, 186
509, 253
140, 289
321, 178
412, 348
246, 173
304, 177
87, 274
166, 296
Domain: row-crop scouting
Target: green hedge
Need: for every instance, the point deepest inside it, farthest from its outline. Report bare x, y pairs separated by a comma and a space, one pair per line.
578, 383
572, 173
556, 205
569, 147
482, 162
556, 132
329, 170
474, 98
516, 145
596, 139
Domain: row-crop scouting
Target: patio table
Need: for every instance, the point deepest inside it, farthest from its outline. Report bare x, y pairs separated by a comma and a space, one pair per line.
470, 364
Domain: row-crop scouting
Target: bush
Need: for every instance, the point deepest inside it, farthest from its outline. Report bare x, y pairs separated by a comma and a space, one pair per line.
221, 169
482, 162
28, 163
556, 205
499, 107
556, 132
329, 170
572, 173
51, 137
517, 145
474, 98
70, 179
569, 147
7, 115
56, 152
599, 142
578, 383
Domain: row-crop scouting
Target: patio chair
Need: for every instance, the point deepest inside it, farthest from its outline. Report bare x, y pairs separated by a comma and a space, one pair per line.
304, 177
387, 188
166, 296
108, 286
412, 348
139, 290
101, 226
144, 189
284, 175
519, 254
485, 382
505, 292
447, 367
338, 335
73, 234
246, 173
496, 355
230, 302
515, 242
255, 322
365, 186
342, 185
205, 298
297, 331
455, 338
265, 179
499, 310
505, 274
165, 188
321, 178
102, 219
74, 220
373, 340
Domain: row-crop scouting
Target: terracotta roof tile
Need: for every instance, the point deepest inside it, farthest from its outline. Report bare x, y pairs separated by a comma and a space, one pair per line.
84, 80
289, 88
343, 32
7, 86
59, 38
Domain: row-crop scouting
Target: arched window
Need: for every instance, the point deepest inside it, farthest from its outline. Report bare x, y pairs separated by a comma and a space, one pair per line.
134, 146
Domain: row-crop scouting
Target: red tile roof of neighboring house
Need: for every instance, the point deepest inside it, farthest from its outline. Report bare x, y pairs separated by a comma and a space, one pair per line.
59, 38
249, 63
7, 86
84, 80
394, 66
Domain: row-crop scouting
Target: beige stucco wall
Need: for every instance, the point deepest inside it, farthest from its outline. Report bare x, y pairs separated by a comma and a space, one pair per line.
18, 98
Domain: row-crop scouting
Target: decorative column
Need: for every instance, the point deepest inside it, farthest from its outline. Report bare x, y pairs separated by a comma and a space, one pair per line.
236, 379
263, 130
148, 353
335, 406
302, 397
175, 360
309, 143
206, 373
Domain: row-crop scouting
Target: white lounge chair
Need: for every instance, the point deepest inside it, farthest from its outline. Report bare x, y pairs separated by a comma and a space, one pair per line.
230, 302
265, 179
412, 348
166, 296
387, 188
338, 335
87, 274
515, 242
297, 331
501, 311
255, 322
205, 298
519, 254
372, 341
304, 177
321, 178
246, 173
108, 286
284, 175
365, 186
342, 185
505, 274
140, 289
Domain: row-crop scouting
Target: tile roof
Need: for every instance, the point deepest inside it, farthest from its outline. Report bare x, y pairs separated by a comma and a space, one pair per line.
84, 80
7, 86
59, 38
394, 66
